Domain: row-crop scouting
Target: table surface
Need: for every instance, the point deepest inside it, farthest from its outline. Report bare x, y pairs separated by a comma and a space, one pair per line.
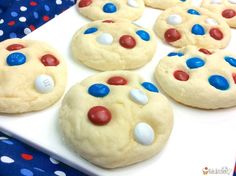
199, 138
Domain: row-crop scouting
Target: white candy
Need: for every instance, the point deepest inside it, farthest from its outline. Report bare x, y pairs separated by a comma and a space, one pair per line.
144, 134
232, 1
138, 96
174, 19
211, 21
215, 1
105, 39
6, 159
133, 3
44, 84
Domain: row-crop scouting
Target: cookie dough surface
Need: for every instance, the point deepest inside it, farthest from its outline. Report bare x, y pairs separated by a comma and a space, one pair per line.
113, 45
199, 77
224, 8
182, 26
165, 4
114, 119
103, 9
32, 76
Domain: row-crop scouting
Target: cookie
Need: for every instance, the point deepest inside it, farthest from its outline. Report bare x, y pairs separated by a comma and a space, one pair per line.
224, 8
114, 119
165, 4
102, 9
199, 77
113, 45
32, 76
181, 26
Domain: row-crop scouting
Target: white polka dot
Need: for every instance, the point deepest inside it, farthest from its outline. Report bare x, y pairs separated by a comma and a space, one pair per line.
60, 173
211, 21
1, 32
1, 21
22, 19
232, 1
215, 1
58, 2
132, 3
105, 39
27, 31
3, 138
53, 161
23, 8
6, 159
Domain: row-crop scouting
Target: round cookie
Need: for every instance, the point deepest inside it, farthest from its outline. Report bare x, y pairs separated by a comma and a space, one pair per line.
113, 45
103, 9
165, 4
181, 26
224, 8
114, 119
32, 76
199, 77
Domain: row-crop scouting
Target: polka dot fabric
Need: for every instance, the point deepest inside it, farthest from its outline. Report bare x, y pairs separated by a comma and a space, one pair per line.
19, 159
20, 17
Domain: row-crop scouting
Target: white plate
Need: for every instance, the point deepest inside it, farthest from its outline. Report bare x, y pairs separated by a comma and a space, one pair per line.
200, 138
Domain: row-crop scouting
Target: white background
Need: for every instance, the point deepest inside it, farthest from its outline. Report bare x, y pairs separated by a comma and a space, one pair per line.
199, 138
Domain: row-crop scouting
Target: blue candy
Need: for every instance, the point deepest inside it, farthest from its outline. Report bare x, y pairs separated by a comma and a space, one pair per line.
230, 60
195, 62
197, 29
193, 12
91, 30
219, 82
109, 8
16, 59
98, 90
149, 86
143, 35
175, 54
183, 0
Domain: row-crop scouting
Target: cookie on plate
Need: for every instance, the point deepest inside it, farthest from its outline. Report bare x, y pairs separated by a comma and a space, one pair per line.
113, 45
32, 76
114, 119
165, 4
199, 77
181, 26
224, 8
103, 9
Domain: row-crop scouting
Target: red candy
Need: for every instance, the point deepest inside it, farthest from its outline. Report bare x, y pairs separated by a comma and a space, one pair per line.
205, 51
181, 75
216, 34
14, 47
99, 115
26, 156
117, 80
84, 3
172, 35
228, 13
11, 23
127, 41
108, 21
234, 77
49, 60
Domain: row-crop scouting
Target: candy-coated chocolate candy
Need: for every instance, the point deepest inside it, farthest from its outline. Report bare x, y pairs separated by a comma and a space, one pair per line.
211, 21
109, 8
108, 21
91, 30
138, 96
14, 47
197, 29
117, 80
219, 82
143, 35
230, 60
99, 90
49, 60
105, 39
172, 35
84, 3
44, 84
193, 12
99, 115
174, 19
180, 54
15, 59
216, 2
133, 3
181, 75
127, 41
195, 62
144, 133
150, 87
205, 51
234, 77
216, 34
228, 13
